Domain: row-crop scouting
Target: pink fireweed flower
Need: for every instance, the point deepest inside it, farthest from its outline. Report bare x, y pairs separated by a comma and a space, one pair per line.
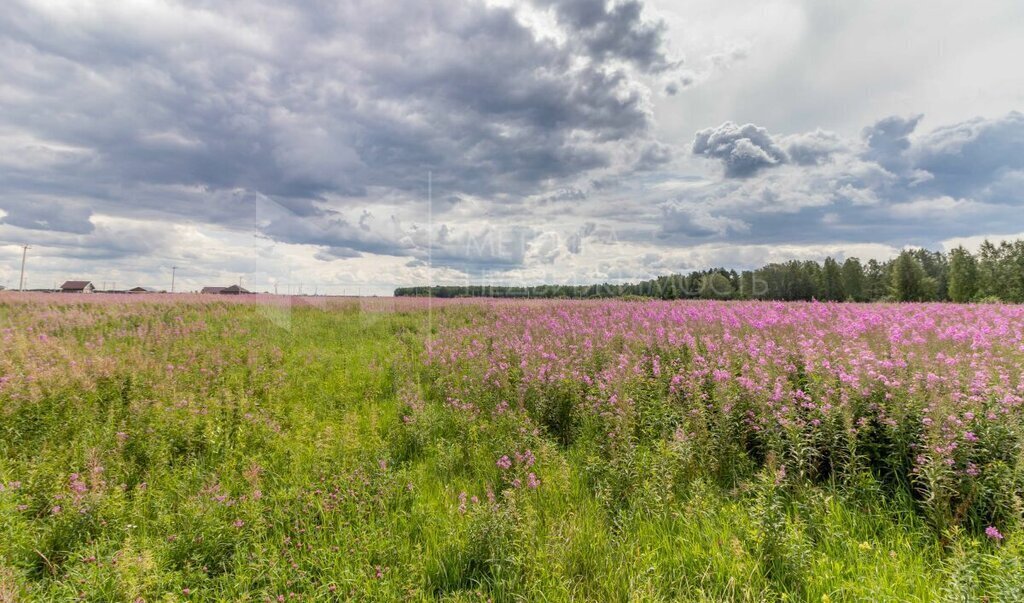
850, 357
76, 484
532, 481
526, 458
993, 533
504, 462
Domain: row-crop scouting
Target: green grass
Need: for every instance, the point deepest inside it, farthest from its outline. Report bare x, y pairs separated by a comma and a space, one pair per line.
274, 460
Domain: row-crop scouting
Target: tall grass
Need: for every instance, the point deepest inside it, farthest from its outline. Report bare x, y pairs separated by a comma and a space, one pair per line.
197, 450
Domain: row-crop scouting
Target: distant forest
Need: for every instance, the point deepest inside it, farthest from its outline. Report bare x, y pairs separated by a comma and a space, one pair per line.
995, 273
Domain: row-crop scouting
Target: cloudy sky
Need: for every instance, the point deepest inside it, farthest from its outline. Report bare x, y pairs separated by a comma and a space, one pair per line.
564, 140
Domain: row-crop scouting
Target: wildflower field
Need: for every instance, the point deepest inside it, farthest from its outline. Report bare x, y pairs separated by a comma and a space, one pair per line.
182, 448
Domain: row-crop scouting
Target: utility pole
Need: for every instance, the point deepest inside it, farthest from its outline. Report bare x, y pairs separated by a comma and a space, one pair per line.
24, 252
173, 270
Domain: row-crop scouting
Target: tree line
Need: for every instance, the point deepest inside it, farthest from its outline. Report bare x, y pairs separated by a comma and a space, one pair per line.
995, 273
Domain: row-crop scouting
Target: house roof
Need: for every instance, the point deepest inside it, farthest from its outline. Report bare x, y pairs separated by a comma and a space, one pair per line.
75, 285
212, 289
234, 289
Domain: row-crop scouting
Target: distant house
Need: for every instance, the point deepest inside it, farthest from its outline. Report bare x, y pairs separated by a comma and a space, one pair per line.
77, 287
143, 290
232, 290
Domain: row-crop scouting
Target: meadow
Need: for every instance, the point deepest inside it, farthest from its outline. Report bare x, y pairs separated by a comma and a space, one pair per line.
188, 448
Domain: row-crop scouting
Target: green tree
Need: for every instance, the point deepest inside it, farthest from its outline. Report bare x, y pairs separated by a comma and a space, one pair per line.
716, 285
909, 280
936, 266
990, 278
853, 279
832, 281
812, 272
963, 275
877, 279
1016, 261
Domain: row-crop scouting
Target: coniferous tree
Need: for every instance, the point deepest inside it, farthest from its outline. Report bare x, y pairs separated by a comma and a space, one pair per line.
812, 272
1015, 269
963, 275
989, 277
876, 280
832, 281
996, 272
798, 284
853, 279
909, 279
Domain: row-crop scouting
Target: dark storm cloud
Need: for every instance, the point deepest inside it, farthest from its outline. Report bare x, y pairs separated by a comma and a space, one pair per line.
654, 156
44, 214
613, 30
254, 113
693, 221
106, 241
742, 149
889, 138
813, 148
338, 236
894, 186
128, 128
980, 158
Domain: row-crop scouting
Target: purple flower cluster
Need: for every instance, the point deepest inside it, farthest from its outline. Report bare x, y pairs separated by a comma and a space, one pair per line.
943, 381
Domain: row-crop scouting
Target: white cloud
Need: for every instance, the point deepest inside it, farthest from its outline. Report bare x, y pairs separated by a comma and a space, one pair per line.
272, 140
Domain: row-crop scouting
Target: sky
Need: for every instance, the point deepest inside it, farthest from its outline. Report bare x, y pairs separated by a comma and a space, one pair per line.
356, 146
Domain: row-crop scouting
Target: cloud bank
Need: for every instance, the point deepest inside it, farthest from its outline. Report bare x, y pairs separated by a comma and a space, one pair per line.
289, 142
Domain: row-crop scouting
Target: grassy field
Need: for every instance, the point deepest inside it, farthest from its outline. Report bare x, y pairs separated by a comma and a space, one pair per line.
191, 450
